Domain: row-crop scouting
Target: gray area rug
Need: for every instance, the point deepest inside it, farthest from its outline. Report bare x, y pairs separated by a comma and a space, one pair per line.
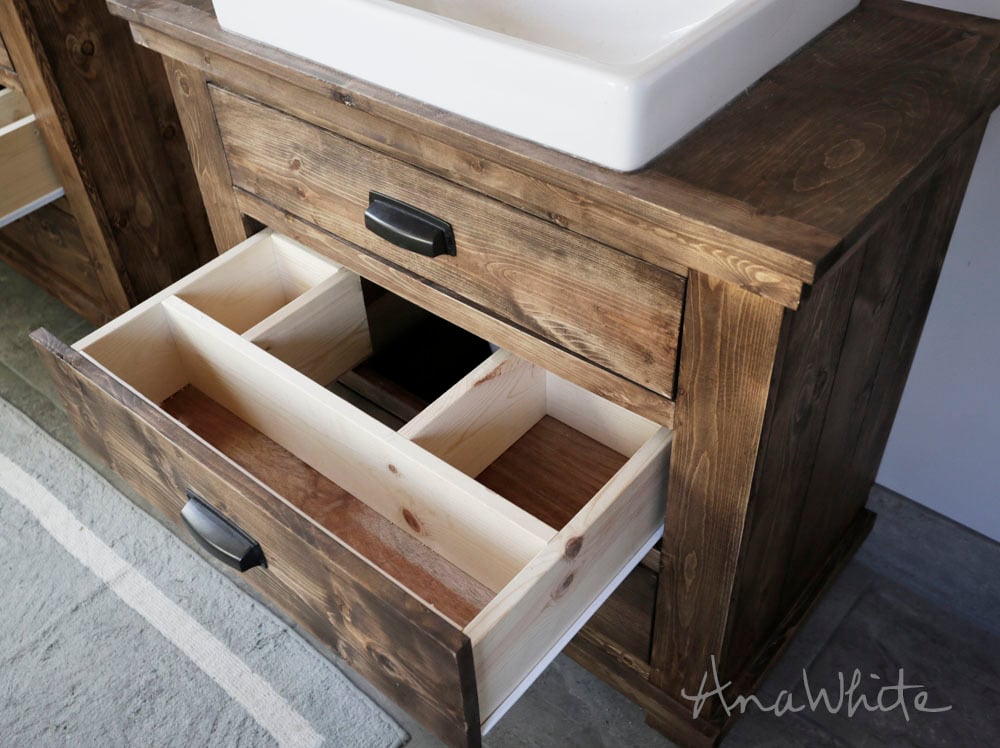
114, 633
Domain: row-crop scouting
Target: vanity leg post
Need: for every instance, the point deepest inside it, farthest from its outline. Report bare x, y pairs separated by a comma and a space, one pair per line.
197, 116
728, 350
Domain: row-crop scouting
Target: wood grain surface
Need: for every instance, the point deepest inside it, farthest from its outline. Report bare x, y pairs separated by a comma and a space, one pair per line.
608, 307
552, 471
725, 377
478, 321
46, 246
111, 127
853, 123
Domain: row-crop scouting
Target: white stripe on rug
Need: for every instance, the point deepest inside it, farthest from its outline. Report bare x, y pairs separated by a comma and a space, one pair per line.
253, 693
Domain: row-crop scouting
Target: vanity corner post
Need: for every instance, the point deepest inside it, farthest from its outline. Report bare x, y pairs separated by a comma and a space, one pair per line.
729, 347
197, 115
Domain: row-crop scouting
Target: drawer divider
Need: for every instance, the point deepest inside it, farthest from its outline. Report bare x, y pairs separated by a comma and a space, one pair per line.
477, 530
322, 333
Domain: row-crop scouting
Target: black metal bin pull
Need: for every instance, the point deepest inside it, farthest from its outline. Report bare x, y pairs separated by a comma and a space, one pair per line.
219, 536
409, 227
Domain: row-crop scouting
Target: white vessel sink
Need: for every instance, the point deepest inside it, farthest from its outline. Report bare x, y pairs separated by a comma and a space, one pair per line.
611, 81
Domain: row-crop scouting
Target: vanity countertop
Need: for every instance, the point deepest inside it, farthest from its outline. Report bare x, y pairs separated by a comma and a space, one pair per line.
768, 194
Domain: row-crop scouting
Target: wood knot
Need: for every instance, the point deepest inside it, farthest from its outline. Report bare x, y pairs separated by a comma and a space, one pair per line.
411, 520
843, 153
295, 164
344, 99
563, 586
87, 48
690, 569
573, 547
493, 374
557, 219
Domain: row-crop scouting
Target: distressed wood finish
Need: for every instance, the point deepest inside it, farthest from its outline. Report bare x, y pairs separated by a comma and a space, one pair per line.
655, 213
886, 102
725, 375
190, 91
395, 641
876, 387
112, 132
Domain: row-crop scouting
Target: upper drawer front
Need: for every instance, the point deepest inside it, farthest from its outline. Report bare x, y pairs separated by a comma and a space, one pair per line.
600, 304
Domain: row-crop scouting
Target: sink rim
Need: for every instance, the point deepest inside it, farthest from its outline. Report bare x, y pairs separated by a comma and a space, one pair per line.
619, 117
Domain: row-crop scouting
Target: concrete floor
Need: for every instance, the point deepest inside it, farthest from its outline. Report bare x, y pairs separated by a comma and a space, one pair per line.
922, 595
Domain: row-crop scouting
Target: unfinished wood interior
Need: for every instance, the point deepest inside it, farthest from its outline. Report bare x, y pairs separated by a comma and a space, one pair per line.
241, 352
28, 180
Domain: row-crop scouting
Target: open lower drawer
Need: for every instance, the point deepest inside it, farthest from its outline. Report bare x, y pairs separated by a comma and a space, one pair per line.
28, 180
448, 561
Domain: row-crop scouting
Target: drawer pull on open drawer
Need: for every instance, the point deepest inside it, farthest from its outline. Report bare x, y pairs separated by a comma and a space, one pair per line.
408, 227
220, 537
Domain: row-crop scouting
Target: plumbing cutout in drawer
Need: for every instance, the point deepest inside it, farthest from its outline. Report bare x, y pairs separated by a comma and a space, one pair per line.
498, 515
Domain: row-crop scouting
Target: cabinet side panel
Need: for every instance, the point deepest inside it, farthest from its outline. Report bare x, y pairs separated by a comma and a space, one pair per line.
866, 396
842, 366
124, 131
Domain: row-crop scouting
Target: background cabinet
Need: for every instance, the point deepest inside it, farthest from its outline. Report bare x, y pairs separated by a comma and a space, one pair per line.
132, 220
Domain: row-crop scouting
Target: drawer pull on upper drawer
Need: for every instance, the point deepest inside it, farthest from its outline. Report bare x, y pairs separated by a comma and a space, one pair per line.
220, 537
408, 227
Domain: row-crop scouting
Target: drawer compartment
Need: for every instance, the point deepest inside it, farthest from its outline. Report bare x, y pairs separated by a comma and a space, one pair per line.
597, 303
448, 561
28, 180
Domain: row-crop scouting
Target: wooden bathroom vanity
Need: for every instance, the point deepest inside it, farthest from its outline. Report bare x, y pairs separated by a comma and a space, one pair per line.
713, 347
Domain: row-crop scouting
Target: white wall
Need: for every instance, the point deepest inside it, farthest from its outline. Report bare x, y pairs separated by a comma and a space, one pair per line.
944, 450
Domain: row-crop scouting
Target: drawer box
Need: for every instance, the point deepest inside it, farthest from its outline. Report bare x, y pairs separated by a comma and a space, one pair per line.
606, 307
28, 180
449, 561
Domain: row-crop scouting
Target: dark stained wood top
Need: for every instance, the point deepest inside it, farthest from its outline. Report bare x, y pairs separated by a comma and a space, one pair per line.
768, 194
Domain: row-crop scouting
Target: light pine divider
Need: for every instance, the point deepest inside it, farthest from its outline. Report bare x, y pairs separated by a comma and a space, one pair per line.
466, 523
322, 333
532, 618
